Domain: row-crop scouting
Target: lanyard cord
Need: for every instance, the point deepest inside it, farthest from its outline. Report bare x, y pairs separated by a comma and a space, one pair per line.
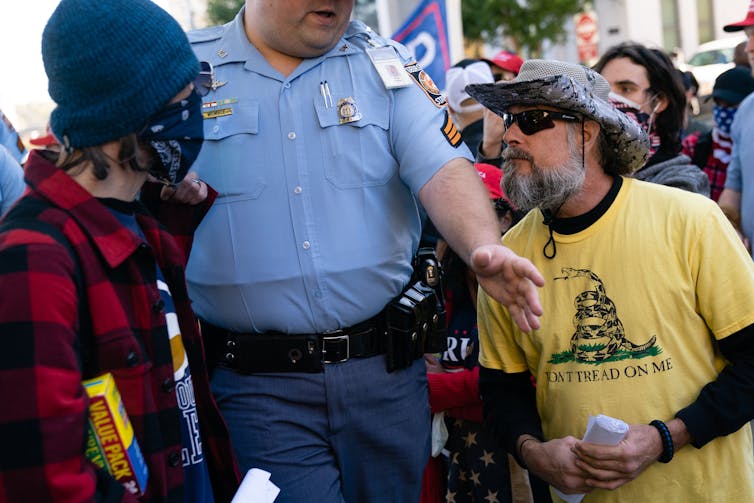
549, 216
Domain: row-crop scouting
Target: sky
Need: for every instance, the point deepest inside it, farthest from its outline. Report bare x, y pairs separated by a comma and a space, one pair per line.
22, 79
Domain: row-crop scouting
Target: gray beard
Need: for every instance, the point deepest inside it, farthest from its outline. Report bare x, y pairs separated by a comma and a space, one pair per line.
547, 188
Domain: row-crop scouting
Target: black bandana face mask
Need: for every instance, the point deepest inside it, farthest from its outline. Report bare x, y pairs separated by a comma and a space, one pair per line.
175, 133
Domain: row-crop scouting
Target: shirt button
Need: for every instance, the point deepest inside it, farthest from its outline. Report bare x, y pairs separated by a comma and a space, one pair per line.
216, 129
174, 458
168, 385
287, 85
297, 190
132, 359
306, 245
158, 306
291, 135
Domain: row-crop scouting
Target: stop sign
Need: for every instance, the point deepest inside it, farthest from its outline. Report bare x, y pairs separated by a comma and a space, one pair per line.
586, 27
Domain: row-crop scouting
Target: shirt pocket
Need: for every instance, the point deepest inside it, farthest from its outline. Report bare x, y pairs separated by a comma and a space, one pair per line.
232, 155
121, 354
357, 153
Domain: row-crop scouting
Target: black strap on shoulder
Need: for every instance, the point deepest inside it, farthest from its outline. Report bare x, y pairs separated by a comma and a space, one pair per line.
84, 341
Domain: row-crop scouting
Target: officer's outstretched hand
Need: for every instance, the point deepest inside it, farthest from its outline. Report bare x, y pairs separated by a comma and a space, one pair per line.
511, 280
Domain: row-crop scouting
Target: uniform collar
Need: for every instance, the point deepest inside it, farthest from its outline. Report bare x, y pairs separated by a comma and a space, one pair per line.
115, 242
233, 47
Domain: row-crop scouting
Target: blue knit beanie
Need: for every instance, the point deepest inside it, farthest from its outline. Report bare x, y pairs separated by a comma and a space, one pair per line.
111, 65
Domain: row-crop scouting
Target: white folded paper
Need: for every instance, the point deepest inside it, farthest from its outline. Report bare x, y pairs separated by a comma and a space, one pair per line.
256, 488
439, 433
600, 429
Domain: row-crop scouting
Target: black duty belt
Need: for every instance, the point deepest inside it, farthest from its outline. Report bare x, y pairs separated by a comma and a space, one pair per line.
276, 352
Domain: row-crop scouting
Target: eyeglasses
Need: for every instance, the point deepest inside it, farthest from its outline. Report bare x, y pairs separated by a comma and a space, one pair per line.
203, 81
534, 121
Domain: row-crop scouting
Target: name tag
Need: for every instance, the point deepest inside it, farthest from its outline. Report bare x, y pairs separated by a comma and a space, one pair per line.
220, 112
389, 67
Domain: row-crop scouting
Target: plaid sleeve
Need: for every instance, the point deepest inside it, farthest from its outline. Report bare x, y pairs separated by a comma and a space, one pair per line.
180, 219
688, 144
453, 389
42, 421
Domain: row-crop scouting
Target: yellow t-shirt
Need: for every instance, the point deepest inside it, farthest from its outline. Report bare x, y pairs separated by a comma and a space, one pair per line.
631, 307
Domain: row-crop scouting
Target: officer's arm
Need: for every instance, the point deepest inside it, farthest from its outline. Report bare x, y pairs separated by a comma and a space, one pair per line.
457, 203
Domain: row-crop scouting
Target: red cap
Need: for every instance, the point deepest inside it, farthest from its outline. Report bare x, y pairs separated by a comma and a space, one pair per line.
748, 21
46, 140
508, 61
491, 176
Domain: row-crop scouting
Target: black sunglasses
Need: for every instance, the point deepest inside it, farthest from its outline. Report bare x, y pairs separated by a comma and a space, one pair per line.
203, 81
534, 121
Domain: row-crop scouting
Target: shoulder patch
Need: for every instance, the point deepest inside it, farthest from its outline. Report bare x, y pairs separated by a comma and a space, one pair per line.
450, 131
426, 84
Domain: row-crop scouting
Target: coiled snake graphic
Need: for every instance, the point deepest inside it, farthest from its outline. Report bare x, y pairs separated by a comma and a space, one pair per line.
599, 332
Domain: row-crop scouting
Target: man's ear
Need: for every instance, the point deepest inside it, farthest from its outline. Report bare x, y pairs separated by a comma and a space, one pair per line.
659, 103
591, 132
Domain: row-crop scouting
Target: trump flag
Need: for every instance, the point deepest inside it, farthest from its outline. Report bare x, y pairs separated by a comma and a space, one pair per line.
425, 33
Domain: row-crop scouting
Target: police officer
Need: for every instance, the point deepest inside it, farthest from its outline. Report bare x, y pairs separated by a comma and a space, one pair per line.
11, 180
323, 140
10, 139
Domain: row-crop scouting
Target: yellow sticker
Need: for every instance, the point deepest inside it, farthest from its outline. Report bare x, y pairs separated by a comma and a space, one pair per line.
220, 112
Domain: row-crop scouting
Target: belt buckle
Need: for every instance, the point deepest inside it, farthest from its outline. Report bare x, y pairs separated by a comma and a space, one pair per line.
335, 336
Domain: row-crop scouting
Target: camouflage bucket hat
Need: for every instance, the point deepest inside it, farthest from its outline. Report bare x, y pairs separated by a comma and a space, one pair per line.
574, 88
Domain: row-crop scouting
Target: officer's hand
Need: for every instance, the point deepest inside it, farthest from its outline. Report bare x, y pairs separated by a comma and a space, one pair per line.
190, 190
511, 280
555, 463
433, 364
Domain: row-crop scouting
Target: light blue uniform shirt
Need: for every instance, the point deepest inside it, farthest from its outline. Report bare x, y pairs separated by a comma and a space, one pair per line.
316, 221
11, 180
9, 139
740, 173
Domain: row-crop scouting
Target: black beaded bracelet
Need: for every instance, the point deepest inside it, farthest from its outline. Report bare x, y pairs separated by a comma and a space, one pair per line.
667, 441
518, 456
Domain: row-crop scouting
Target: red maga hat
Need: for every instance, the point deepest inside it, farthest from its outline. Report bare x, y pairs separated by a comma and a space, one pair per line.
507, 61
491, 176
46, 140
748, 21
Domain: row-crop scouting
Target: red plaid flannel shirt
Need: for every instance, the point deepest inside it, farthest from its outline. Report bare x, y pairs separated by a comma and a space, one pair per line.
42, 419
716, 163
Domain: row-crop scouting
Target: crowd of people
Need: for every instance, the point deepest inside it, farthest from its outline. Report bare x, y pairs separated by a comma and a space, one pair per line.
232, 226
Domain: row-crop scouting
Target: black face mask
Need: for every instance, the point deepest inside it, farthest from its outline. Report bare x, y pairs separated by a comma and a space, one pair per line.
175, 133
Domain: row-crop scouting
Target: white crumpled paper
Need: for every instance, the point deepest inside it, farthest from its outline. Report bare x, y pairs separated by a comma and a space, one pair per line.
256, 488
600, 429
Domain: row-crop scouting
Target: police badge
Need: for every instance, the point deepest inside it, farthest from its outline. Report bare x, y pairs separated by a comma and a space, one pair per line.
347, 111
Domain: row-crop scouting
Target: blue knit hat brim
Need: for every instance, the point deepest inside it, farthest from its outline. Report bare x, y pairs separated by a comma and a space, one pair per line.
112, 65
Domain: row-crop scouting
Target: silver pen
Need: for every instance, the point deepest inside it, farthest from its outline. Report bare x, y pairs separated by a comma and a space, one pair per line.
323, 93
328, 96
